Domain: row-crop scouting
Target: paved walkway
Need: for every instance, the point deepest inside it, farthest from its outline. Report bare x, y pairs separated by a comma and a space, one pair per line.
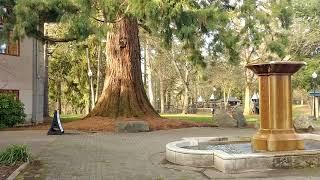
124, 156
36, 140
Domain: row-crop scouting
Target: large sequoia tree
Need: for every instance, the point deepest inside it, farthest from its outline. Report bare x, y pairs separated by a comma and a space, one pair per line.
118, 21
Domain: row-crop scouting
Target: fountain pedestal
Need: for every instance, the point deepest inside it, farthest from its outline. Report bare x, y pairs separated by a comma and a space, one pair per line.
276, 131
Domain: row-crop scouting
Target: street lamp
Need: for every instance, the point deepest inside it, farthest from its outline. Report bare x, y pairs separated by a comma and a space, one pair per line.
314, 76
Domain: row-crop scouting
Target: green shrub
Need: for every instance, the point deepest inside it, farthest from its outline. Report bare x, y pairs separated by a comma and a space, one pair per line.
14, 154
11, 111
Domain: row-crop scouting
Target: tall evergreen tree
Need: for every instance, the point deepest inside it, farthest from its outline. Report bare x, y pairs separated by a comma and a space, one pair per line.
118, 22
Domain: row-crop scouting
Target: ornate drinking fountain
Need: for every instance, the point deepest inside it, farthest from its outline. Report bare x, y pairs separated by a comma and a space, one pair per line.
275, 145
276, 131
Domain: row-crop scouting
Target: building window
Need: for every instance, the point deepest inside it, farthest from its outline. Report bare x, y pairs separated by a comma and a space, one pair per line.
10, 47
15, 93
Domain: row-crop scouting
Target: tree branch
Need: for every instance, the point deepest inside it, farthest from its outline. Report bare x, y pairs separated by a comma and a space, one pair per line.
39, 35
146, 28
99, 20
178, 70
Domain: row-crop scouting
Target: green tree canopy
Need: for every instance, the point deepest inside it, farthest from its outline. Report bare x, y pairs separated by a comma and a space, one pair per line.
185, 20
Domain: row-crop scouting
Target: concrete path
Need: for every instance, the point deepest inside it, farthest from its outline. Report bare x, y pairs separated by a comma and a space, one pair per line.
124, 156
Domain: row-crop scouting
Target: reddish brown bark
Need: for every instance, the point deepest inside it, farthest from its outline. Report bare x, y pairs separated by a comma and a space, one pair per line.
123, 94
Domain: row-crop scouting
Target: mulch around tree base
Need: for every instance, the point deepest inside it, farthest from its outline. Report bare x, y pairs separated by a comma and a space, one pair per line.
6, 171
105, 124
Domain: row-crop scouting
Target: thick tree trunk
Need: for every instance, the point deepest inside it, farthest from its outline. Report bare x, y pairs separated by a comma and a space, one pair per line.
123, 94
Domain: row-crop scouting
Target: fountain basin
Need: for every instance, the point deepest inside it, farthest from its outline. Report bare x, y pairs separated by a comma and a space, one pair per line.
192, 152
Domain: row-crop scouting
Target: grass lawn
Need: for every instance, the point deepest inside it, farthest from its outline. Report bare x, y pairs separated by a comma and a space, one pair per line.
206, 118
203, 117
251, 119
298, 110
71, 117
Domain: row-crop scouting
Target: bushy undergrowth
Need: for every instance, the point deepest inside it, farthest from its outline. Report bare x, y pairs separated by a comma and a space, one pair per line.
11, 111
14, 154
